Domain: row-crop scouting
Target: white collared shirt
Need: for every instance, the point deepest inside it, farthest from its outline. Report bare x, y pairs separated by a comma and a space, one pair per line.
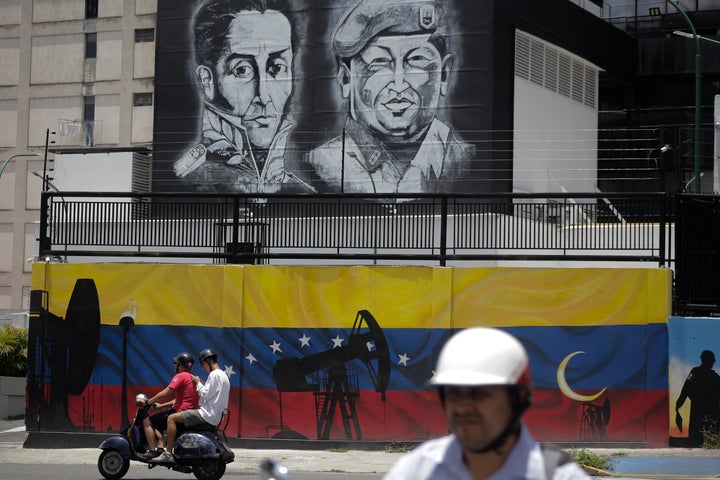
442, 459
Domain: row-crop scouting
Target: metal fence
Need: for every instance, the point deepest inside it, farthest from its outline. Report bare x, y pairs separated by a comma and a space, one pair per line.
438, 229
697, 273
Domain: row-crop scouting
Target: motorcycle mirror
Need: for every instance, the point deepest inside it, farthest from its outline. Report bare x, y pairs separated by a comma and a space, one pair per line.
271, 469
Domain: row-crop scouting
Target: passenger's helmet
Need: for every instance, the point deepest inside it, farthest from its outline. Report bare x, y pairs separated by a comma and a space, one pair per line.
184, 359
482, 356
206, 354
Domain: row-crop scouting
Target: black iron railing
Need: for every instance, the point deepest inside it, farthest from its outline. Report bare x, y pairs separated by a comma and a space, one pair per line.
697, 270
428, 228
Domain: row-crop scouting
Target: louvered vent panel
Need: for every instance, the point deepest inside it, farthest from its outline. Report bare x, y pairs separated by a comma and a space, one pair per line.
537, 60
549, 67
591, 87
522, 56
564, 75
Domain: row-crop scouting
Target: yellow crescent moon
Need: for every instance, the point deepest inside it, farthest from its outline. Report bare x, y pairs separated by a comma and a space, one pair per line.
565, 388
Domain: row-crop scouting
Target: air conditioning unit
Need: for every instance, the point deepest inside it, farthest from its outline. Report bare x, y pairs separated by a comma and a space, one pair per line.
101, 171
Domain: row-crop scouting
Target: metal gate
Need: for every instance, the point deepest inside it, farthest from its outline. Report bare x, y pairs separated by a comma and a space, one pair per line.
697, 243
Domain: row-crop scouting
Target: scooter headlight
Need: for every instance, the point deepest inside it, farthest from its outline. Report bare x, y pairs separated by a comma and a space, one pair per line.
141, 399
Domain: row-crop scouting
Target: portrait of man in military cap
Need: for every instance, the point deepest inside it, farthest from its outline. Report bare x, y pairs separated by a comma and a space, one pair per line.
394, 69
243, 66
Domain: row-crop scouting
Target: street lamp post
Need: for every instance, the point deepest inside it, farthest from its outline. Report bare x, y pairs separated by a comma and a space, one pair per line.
2, 169
698, 76
714, 42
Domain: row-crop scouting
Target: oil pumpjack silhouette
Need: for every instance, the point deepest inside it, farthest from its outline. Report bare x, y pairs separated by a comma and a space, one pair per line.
594, 420
334, 382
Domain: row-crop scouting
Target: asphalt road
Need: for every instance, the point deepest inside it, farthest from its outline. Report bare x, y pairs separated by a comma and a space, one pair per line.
14, 471
18, 463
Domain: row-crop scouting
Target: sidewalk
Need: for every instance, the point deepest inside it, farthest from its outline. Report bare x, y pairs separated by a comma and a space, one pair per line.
668, 463
13, 438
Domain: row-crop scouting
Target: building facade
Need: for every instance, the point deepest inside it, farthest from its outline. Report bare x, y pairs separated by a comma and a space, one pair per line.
81, 75
76, 73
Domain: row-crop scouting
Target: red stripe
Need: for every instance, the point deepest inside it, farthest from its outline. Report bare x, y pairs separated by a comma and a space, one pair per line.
635, 415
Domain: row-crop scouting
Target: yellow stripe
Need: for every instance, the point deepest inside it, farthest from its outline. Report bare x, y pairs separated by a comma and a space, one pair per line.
329, 297
551, 296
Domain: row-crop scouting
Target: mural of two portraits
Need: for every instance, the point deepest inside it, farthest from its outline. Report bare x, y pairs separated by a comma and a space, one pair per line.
324, 96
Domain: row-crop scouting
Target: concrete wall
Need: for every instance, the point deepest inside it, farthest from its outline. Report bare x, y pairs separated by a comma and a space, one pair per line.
10, 60
12, 397
46, 50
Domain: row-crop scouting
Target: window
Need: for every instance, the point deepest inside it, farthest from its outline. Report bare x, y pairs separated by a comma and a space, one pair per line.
91, 8
89, 108
90, 45
144, 35
89, 120
142, 99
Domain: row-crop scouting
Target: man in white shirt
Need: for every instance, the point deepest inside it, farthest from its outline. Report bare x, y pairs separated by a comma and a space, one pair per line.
483, 378
214, 396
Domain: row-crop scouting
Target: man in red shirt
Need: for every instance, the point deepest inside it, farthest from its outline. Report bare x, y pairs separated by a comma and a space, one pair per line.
183, 395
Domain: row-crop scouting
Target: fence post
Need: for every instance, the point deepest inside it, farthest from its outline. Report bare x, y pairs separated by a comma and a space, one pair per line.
235, 230
443, 229
663, 225
44, 241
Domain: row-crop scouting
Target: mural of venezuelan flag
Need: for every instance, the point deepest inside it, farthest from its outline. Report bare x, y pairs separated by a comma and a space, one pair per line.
603, 330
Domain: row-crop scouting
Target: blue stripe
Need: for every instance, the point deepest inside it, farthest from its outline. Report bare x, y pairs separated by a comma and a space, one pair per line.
616, 357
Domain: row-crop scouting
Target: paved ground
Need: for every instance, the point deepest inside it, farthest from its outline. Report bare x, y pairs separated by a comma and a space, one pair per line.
646, 463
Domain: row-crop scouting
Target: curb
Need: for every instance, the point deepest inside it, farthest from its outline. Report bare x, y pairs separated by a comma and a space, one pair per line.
53, 439
596, 472
56, 439
50, 440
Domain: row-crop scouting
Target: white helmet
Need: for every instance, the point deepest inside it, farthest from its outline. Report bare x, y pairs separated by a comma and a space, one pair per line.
482, 356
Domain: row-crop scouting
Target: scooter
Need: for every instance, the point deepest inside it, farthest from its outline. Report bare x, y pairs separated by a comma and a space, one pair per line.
198, 450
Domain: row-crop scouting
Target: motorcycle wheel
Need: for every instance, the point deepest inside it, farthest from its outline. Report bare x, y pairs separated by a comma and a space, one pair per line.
112, 464
209, 469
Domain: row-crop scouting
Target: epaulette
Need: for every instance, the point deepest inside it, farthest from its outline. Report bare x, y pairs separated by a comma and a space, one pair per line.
189, 162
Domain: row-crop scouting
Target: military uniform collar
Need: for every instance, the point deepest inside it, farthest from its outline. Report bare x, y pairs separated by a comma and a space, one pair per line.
373, 151
429, 156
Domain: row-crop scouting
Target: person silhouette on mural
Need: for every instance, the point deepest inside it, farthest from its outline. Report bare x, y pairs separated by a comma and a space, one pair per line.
702, 387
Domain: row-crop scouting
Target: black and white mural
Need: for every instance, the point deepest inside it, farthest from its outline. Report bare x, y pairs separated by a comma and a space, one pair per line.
318, 96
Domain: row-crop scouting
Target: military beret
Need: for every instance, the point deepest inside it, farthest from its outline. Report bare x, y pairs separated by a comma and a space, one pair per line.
370, 18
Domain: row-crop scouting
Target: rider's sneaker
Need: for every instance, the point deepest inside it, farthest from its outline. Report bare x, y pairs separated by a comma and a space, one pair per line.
165, 457
150, 454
